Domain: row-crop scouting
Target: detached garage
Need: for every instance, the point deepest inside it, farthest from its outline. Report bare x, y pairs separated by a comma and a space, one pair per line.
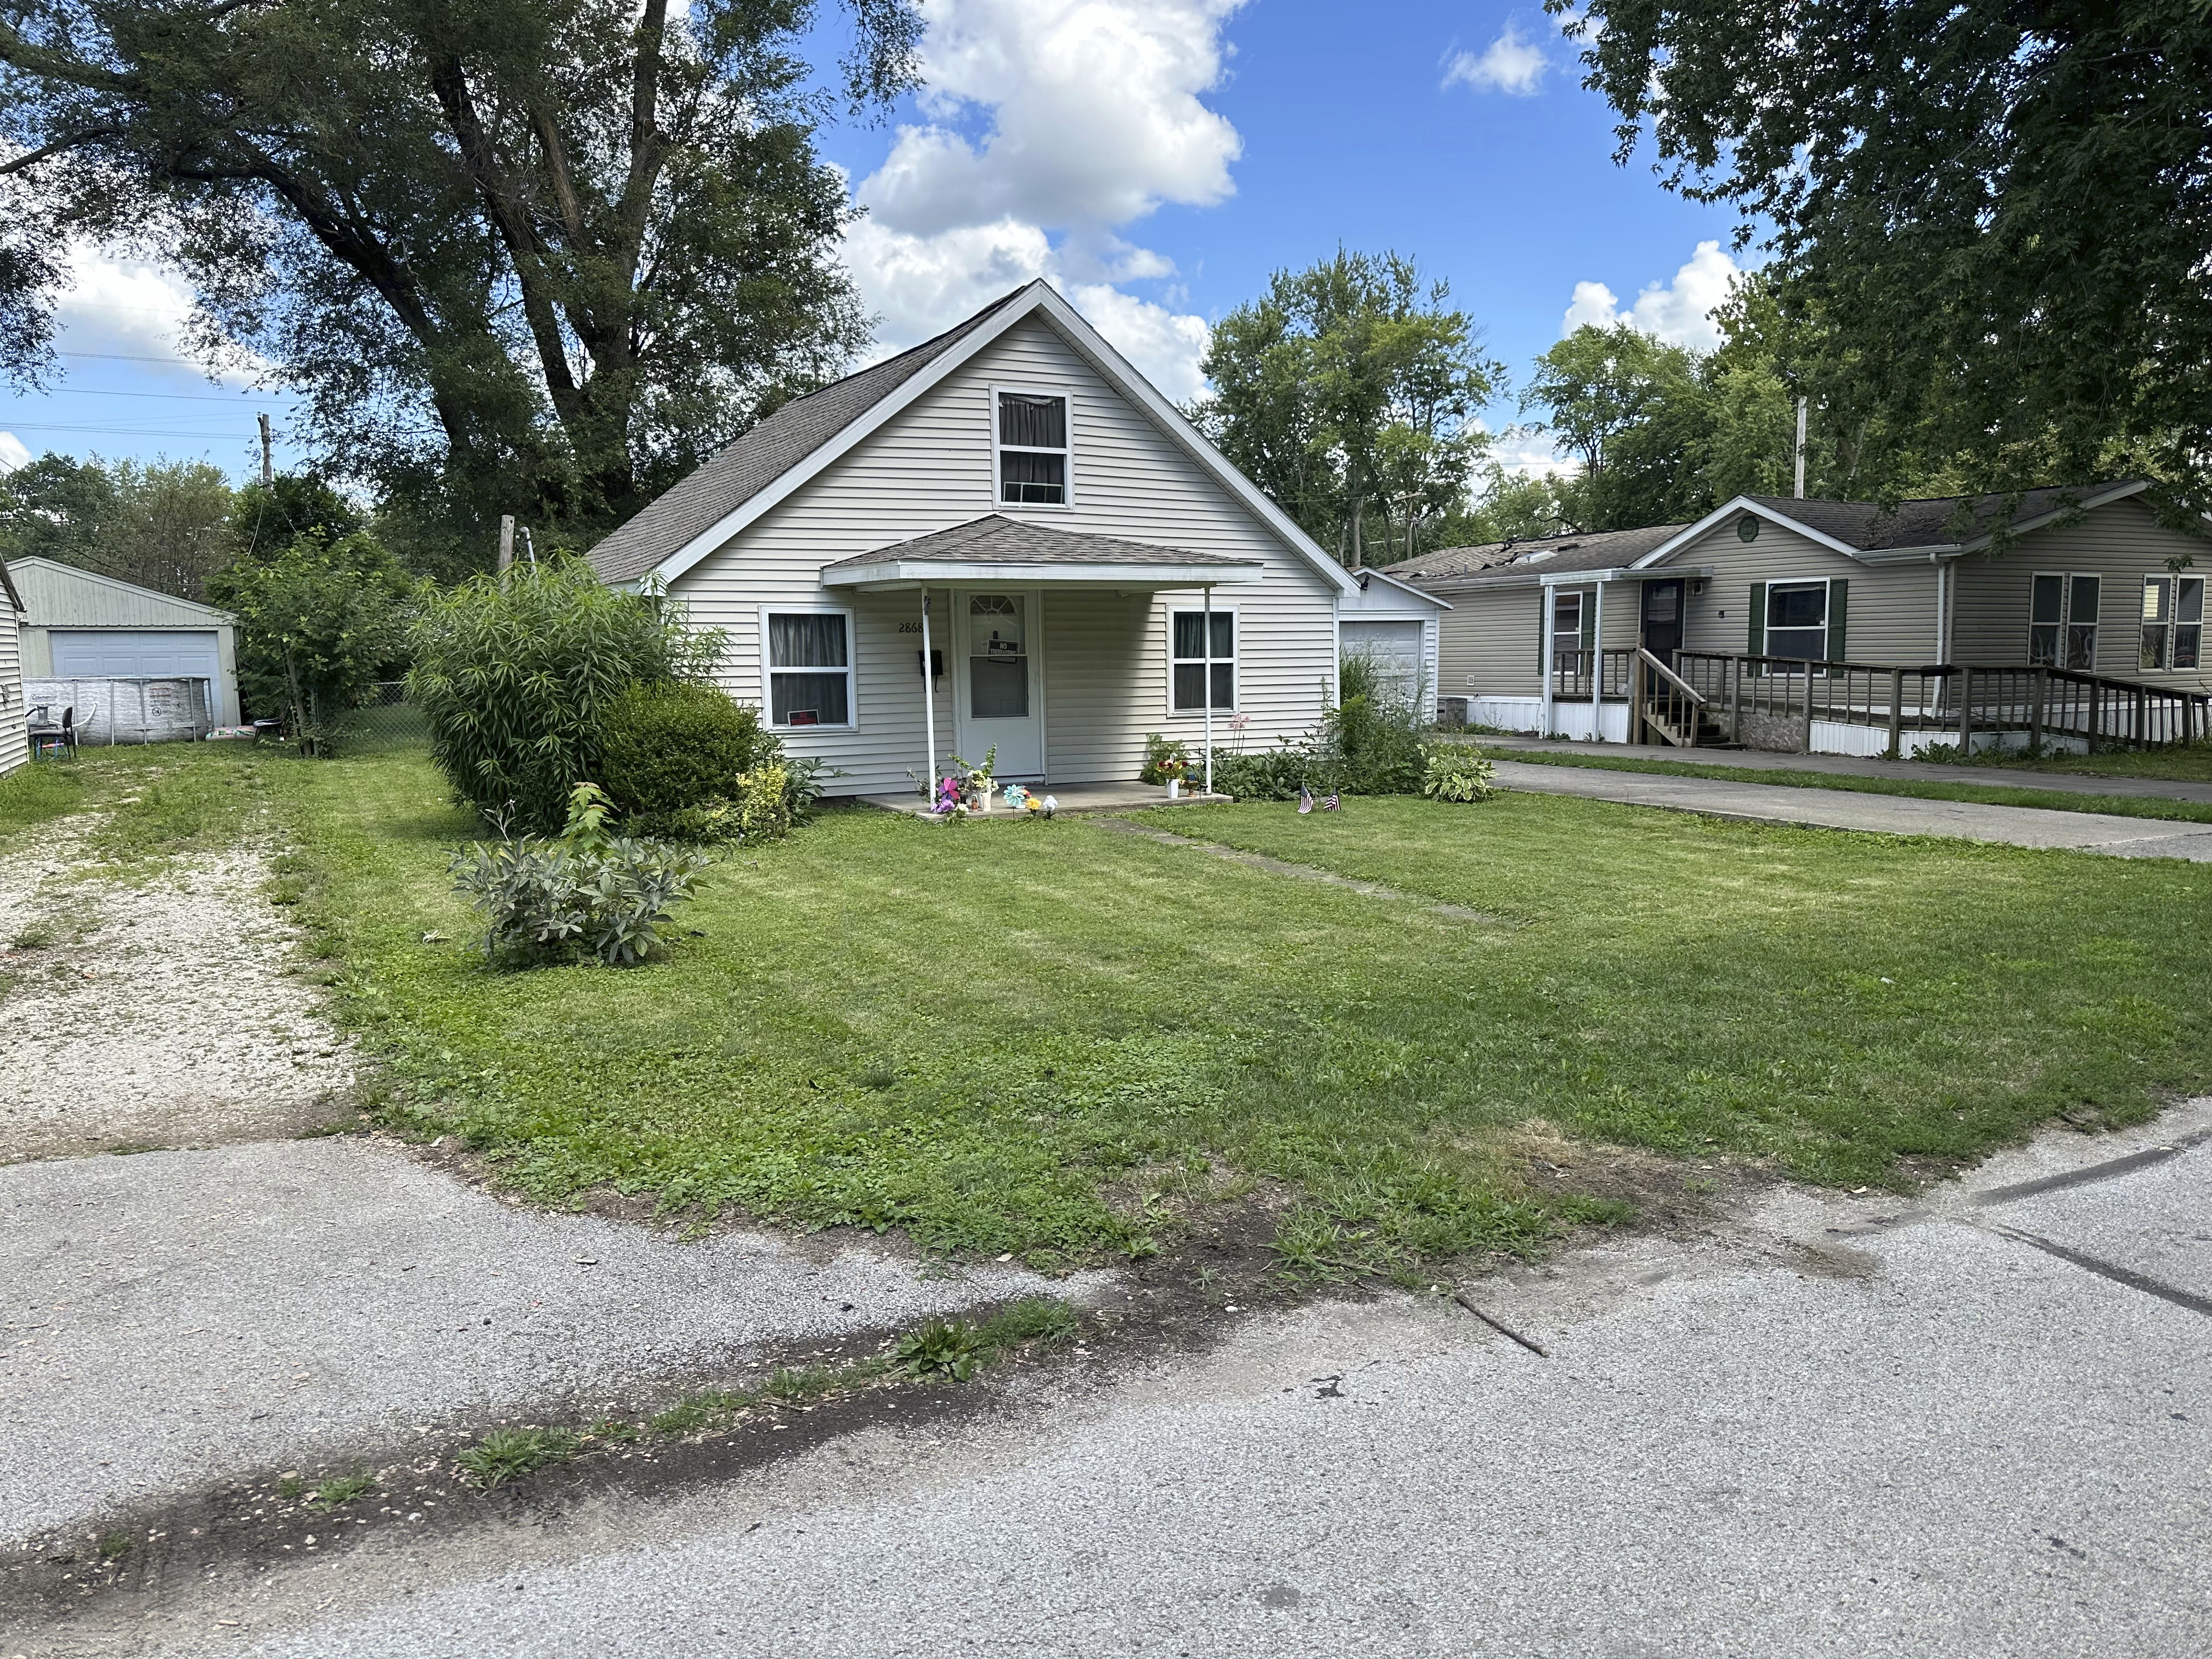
80, 625
1395, 627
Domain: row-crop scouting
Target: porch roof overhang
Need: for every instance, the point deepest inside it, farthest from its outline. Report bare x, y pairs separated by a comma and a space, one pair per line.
996, 551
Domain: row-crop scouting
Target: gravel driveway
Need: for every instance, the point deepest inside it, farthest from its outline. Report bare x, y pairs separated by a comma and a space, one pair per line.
153, 1015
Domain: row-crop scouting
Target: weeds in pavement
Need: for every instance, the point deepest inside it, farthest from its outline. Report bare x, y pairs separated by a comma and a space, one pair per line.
952, 1347
504, 1454
114, 1546
344, 1489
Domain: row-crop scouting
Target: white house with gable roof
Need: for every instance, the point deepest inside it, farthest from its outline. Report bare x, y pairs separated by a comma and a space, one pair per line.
1005, 537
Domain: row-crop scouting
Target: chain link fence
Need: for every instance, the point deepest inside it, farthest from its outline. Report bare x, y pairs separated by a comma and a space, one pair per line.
385, 719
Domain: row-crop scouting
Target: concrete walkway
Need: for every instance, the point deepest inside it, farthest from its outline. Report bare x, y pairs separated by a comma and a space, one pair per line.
1890, 815
1971, 1428
1856, 766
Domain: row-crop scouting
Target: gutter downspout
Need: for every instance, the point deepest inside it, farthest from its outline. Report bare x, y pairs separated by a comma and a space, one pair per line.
928, 705
1209, 613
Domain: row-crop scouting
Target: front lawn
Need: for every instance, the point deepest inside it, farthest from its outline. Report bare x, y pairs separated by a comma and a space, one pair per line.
1051, 1038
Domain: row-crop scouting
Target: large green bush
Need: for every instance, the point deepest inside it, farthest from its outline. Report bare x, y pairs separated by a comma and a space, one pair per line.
516, 674
1371, 744
677, 744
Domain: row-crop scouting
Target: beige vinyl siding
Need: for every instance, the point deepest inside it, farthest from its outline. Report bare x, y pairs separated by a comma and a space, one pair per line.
1487, 643
2122, 543
930, 467
1889, 614
14, 746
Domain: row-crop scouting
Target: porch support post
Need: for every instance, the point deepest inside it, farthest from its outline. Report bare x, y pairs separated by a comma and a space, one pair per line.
1597, 664
1544, 649
928, 705
1208, 603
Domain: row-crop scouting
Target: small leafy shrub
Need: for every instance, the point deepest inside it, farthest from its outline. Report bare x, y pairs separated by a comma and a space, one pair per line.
1458, 772
1939, 754
951, 1348
505, 1455
677, 745
515, 675
1370, 742
759, 810
1268, 774
1158, 751
583, 892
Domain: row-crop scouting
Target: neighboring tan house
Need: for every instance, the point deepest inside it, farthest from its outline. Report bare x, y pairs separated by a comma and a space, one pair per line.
1890, 606
82, 626
1014, 500
15, 746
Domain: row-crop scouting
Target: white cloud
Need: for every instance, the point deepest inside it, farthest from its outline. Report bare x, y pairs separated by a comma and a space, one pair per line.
1050, 124
1680, 312
12, 454
1531, 454
1511, 64
130, 309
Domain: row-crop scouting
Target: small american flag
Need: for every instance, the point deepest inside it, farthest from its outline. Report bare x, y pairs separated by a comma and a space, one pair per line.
1329, 803
1305, 798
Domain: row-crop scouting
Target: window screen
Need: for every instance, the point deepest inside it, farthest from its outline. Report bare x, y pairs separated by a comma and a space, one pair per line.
1797, 620
1032, 449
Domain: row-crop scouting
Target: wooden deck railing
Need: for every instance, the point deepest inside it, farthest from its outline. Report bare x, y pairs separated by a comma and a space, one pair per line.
1590, 675
1964, 702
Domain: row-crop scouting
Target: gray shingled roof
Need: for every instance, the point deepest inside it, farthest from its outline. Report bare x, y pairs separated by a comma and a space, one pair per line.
1601, 550
996, 539
1872, 528
726, 482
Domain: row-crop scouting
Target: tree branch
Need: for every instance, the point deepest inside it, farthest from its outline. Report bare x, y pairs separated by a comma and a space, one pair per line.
41, 153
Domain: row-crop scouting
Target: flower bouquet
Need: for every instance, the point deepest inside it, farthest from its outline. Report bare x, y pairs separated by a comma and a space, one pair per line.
1173, 769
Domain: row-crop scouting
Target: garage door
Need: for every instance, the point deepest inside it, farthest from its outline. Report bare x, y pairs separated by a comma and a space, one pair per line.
1393, 646
136, 653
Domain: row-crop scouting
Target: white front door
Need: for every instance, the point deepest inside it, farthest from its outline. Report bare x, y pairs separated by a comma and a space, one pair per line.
1001, 686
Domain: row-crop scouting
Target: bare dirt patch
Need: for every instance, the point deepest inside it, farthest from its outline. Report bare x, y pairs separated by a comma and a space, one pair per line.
159, 1014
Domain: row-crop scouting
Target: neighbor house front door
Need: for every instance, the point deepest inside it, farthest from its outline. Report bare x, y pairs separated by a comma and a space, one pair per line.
1001, 688
1662, 620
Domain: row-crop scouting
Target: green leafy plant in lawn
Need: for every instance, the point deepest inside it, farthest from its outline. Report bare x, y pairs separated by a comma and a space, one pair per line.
1457, 771
517, 676
584, 892
506, 1454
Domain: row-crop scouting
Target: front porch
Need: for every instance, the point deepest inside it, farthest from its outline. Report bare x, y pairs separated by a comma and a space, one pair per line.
1077, 797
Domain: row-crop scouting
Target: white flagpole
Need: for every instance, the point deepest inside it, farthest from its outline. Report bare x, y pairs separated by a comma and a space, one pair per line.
928, 706
1209, 687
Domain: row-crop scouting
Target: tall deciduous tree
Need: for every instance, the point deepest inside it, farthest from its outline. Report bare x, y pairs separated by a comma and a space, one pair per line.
1348, 392
160, 524
1996, 215
524, 255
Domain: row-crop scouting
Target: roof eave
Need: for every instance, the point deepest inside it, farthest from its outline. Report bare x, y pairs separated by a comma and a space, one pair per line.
2087, 504
885, 574
1730, 509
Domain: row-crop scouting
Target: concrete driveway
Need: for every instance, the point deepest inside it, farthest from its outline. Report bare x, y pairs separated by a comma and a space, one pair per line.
1978, 1424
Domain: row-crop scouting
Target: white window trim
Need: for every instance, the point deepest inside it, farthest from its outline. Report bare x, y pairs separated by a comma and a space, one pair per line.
1827, 614
1581, 596
852, 670
999, 501
2173, 622
1234, 660
2067, 624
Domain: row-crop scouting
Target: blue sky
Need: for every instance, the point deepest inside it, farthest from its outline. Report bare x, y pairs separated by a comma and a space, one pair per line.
1157, 159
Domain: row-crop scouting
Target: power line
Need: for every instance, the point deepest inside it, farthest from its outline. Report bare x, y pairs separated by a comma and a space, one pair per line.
120, 431
180, 397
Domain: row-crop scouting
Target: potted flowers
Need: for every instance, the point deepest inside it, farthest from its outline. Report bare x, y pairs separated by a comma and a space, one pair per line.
1173, 768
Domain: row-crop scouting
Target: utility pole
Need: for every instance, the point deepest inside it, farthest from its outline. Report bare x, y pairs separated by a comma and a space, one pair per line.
268, 454
505, 541
1800, 449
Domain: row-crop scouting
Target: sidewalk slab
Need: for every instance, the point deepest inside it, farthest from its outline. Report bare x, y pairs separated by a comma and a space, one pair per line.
1889, 815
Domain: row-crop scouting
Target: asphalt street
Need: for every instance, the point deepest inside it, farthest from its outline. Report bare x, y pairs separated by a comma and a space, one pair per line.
1977, 1424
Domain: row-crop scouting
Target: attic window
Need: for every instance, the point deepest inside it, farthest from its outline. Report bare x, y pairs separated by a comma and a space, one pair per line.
1033, 448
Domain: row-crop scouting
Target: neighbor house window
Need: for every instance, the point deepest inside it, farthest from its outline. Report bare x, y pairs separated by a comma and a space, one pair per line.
810, 668
2173, 621
1033, 448
1797, 620
1195, 661
1566, 625
2062, 620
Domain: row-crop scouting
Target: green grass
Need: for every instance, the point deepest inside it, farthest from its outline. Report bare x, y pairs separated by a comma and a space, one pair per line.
342, 1489
2056, 800
2184, 762
155, 800
1054, 1040
38, 792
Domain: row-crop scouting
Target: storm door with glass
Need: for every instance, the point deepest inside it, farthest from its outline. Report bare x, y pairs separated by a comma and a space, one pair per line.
999, 699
